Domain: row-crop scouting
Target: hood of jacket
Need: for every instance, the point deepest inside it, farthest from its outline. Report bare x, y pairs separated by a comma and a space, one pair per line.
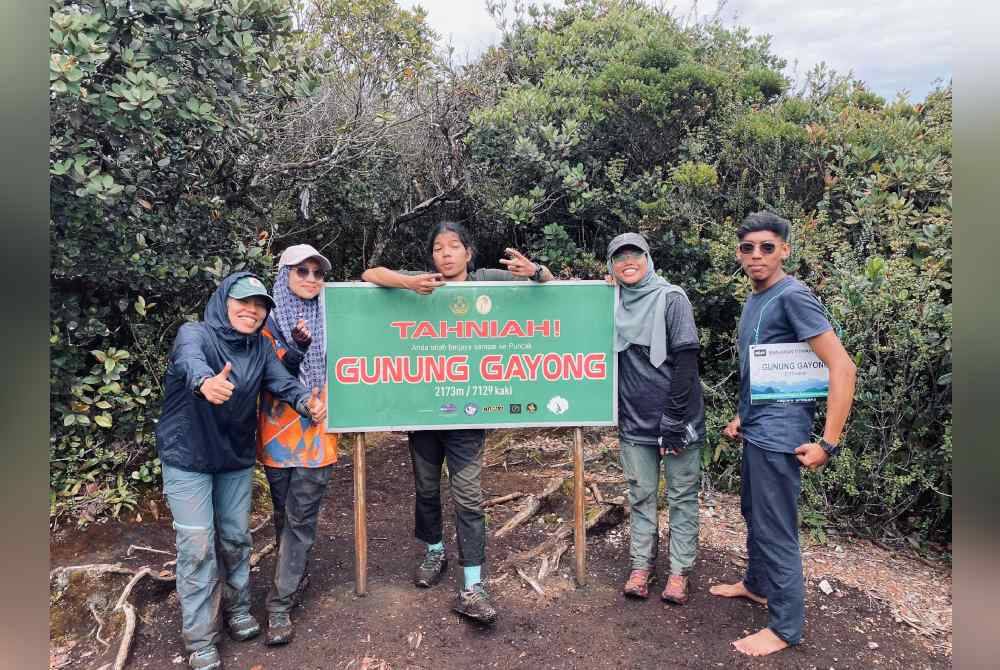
217, 311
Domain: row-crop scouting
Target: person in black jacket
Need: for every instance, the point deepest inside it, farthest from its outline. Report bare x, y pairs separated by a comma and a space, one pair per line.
661, 414
207, 438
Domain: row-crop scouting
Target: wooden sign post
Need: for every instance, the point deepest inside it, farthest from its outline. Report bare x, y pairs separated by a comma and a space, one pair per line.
579, 510
360, 519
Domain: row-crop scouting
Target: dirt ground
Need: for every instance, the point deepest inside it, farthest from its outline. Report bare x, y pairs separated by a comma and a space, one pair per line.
857, 625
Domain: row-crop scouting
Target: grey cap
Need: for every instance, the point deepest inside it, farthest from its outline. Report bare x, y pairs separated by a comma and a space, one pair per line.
297, 253
627, 240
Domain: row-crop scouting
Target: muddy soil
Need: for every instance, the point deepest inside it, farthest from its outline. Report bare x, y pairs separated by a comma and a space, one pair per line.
398, 626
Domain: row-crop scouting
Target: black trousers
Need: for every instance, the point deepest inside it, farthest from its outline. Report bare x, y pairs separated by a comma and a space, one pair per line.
297, 494
463, 450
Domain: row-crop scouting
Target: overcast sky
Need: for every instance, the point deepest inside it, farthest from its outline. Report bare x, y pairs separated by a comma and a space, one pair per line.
892, 45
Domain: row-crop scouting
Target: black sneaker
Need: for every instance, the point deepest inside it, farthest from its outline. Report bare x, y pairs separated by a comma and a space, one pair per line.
279, 629
429, 572
475, 604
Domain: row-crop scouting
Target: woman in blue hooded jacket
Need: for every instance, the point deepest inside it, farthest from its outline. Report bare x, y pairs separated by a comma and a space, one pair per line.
207, 438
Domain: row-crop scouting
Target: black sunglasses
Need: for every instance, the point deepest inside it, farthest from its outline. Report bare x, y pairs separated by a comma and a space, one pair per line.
766, 248
303, 272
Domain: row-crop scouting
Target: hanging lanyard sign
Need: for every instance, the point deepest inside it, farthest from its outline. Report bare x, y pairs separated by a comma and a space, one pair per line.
789, 372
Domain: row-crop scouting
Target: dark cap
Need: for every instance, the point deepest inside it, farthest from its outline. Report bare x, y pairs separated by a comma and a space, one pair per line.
627, 240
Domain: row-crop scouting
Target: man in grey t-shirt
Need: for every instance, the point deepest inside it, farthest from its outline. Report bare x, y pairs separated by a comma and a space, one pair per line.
776, 436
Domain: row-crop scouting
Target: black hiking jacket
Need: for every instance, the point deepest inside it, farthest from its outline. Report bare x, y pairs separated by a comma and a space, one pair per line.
192, 433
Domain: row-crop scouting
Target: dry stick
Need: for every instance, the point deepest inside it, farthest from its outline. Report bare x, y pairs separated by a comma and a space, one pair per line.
258, 526
264, 551
531, 582
597, 493
95, 568
530, 506
560, 534
136, 547
502, 499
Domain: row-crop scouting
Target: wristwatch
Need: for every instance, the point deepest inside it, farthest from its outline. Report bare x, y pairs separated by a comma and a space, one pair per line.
537, 276
830, 449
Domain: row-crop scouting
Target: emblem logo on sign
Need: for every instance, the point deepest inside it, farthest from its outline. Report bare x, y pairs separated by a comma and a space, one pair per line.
484, 304
492, 409
471, 409
448, 408
515, 409
459, 306
531, 407
557, 405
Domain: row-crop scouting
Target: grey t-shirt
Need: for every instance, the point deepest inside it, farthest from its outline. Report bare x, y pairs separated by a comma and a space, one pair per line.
786, 312
643, 390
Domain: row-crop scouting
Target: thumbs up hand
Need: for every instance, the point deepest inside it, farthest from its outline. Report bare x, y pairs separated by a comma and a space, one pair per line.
317, 409
218, 389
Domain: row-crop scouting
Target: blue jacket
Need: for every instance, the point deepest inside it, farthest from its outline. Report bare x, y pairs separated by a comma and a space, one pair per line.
192, 433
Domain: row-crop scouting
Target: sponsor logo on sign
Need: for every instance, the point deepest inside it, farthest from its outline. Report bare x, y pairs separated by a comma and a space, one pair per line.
531, 407
557, 404
448, 408
471, 409
515, 409
484, 304
760, 352
492, 409
459, 306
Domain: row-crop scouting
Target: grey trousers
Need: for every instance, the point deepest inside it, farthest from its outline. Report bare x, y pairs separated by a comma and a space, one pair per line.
212, 520
296, 496
641, 465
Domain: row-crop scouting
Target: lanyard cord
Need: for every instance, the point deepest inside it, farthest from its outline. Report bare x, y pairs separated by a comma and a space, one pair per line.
756, 331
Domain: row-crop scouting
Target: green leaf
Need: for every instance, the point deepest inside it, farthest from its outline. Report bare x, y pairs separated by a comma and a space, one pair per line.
103, 420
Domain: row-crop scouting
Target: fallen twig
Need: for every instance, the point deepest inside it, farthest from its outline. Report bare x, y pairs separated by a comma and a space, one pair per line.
530, 506
597, 493
136, 547
531, 582
126, 643
257, 555
502, 499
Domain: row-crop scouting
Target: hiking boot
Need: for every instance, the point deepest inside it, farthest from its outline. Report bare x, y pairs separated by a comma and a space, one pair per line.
279, 629
243, 627
206, 658
676, 590
429, 572
475, 604
637, 585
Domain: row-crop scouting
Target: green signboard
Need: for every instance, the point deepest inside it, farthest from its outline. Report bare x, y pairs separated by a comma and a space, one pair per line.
470, 355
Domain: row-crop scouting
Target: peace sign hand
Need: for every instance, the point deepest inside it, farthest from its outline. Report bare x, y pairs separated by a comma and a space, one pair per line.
519, 264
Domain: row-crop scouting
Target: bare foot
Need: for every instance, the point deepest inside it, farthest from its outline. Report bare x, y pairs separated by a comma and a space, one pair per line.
737, 590
761, 643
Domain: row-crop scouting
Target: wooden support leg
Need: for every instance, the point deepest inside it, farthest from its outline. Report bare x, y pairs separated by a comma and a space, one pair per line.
579, 511
360, 519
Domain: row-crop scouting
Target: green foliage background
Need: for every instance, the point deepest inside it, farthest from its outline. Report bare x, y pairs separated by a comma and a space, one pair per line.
191, 138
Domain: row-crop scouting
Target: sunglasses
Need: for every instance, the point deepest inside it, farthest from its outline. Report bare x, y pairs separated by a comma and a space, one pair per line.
627, 256
303, 273
766, 248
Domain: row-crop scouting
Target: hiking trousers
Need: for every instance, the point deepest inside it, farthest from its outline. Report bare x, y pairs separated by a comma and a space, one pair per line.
296, 497
682, 471
212, 523
463, 451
